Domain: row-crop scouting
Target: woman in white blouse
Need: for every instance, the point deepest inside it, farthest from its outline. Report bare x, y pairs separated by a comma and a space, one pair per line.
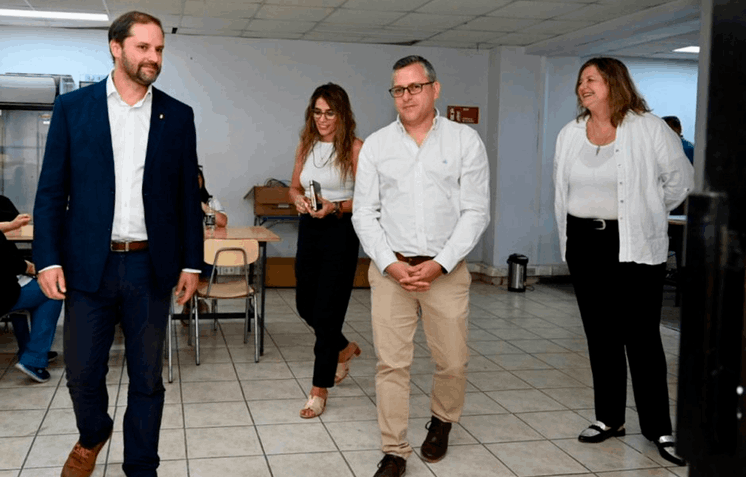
618, 171
327, 252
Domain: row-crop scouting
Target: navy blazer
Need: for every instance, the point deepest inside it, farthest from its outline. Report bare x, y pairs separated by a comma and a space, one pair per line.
74, 207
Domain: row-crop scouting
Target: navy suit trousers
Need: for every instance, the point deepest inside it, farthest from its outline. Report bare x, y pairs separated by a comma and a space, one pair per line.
127, 294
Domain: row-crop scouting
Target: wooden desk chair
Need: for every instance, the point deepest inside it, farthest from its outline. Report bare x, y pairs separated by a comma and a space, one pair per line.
229, 253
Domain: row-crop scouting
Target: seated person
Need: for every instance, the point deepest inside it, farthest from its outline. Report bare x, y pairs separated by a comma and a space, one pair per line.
21, 292
10, 218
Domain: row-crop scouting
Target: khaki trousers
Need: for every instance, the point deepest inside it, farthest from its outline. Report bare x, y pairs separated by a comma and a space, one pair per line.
445, 311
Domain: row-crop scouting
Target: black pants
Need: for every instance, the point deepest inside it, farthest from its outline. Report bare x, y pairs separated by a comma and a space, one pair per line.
620, 305
324, 271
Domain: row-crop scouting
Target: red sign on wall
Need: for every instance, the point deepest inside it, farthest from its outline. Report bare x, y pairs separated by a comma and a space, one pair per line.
464, 114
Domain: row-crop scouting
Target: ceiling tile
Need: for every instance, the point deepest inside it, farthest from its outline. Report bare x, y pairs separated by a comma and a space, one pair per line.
362, 17
14, 4
88, 6
331, 36
464, 35
599, 13
453, 44
206, 32
220, 8
260, 25
462, 7
307, 3
213, 23
338, 28
279, 12
272, 35
430, 21
498, 24
635, 3
521, 39
557, 27
171, 7
532, 9
386, 5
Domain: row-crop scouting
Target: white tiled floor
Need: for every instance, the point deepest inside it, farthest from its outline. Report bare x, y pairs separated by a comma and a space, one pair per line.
528, 397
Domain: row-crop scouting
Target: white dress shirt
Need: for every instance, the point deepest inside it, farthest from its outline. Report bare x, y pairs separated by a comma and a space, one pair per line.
653, 174
430, 200
130, 126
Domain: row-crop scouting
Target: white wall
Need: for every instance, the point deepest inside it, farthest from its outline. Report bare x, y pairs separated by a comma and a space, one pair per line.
669, 87
249, 95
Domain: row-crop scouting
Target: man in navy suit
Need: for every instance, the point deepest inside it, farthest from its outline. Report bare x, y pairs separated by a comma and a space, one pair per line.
117, 226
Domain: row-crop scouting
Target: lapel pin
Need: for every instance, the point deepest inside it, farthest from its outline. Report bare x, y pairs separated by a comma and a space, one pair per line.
160, 116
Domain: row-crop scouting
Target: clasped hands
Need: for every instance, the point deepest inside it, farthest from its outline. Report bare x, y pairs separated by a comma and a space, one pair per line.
303, 206
415, 278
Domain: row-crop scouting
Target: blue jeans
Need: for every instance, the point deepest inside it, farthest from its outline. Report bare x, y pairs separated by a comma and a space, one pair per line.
127, 291
34, 344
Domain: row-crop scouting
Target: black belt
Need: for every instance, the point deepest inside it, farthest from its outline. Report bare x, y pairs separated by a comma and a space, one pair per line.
592, 224
129, 246
413, 261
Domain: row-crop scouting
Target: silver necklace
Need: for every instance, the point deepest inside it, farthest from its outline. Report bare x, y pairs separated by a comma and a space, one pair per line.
324, 161
603, 139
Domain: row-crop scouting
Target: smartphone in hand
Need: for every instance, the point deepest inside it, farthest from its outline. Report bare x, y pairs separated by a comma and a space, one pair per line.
315, 189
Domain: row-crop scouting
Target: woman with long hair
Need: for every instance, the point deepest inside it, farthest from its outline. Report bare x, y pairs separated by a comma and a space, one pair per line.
618, 171
327, 253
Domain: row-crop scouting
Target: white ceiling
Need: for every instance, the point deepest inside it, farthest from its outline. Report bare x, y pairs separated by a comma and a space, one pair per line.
644, 28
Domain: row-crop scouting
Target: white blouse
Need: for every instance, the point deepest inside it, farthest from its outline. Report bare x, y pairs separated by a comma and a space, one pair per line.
592, 192
320, 167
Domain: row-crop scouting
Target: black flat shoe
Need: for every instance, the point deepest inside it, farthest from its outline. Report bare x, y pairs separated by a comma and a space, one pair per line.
596, 433
436, 443
667, 449
391, 466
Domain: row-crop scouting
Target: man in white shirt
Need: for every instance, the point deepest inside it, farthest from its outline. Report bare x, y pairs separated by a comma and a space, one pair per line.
420, 206
117, 226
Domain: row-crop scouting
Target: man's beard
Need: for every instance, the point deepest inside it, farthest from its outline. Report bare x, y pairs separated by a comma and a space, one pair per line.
137, 74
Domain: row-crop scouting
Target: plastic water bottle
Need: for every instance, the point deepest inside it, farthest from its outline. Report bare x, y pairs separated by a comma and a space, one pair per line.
210, 216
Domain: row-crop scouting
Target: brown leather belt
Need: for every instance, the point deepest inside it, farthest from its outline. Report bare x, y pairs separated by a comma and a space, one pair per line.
414, 261
129, 246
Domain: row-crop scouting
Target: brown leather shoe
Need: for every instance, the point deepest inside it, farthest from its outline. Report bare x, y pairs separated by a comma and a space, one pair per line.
391, 466
436, 443
82, 461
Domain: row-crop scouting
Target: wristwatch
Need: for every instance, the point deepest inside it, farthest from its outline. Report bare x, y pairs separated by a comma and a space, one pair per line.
338, 210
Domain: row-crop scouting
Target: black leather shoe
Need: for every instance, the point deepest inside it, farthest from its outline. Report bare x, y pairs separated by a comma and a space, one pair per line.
436, 443
596, 433
391, 466
667, 449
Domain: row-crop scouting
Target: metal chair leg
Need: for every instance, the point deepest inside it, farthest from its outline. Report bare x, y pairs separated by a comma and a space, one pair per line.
246, 320
257, 330
195, 310
169, 340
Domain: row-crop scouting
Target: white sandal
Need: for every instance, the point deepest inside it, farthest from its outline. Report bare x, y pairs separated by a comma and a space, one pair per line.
316, 404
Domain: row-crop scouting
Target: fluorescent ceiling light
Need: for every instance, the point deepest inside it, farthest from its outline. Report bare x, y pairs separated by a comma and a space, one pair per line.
96, 17
688, 49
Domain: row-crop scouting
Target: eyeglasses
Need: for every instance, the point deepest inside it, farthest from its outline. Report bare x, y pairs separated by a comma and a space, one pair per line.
414, 88
328, 114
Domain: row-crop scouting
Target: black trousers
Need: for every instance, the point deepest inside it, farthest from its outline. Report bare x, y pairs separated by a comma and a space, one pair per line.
620, 305
324, 271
